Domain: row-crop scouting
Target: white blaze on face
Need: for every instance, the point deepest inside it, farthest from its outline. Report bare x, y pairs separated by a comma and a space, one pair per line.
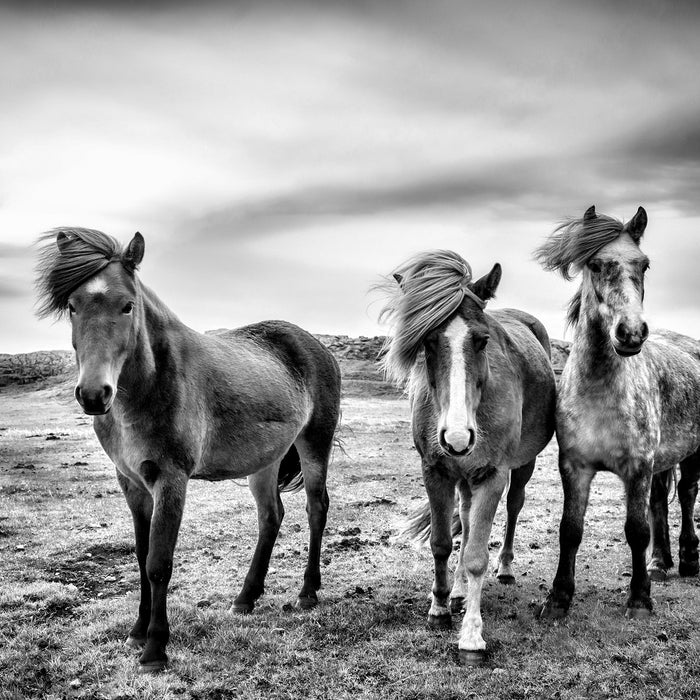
455, 420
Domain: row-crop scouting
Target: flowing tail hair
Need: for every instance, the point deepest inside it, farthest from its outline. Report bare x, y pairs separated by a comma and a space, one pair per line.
418, 524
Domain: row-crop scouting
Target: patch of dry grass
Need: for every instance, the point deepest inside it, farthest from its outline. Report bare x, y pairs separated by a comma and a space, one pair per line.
68, 586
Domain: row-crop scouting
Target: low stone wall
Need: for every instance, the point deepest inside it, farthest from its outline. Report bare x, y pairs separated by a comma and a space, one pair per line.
359, 354
30, 367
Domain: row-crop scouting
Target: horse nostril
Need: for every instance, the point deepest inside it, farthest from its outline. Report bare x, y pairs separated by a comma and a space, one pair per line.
472, 439
621, 332
644, 330
77, 394
107, 392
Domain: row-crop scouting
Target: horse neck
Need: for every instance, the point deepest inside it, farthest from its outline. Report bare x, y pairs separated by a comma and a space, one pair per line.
592, 354
154, 346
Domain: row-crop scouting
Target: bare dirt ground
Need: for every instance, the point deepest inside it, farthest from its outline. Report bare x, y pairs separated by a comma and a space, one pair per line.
68, 585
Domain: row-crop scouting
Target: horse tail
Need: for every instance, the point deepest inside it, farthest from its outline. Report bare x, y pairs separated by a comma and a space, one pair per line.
290, 478
418, 524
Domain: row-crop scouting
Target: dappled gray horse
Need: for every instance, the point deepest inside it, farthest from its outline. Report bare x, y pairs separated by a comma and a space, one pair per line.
629, 400
171, 404
482, 397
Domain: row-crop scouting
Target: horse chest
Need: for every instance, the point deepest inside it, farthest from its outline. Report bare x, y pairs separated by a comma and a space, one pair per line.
612, 425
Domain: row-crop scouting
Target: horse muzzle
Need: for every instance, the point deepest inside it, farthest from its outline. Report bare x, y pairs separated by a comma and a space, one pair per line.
629, 339
95, 402
457, 444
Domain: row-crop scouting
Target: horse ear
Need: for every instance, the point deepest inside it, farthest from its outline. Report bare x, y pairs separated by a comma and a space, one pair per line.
637, 224
399, 279
590, 213
485, 287
62, 241
134, 252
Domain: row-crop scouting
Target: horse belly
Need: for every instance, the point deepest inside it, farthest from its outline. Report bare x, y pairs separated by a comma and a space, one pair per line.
248, 449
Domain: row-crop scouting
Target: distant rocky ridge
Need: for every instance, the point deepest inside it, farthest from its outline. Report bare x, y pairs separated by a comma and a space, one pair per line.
357, 358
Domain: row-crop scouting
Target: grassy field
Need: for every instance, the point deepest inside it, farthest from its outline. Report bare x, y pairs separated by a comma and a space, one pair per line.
68, 584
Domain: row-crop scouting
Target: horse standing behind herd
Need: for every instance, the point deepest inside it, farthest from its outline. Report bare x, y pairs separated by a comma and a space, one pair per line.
262, 401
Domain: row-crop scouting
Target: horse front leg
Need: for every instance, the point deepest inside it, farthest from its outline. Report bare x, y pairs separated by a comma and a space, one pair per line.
638, 534
441, 492
485, 498
576, 481
459, 585
514, 504
168, 488
687, 493
660, 560
263, 485
140, 504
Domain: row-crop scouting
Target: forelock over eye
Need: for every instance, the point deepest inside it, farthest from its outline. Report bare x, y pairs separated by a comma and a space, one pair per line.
128, 307
594, 265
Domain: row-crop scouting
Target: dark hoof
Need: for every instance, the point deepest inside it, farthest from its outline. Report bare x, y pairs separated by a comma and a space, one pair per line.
456, 605
306, 602
553, 611
691, 568
136, 643
468, 657
440, 622
658, 574
242, 607
637, 613
151, 667
506, 579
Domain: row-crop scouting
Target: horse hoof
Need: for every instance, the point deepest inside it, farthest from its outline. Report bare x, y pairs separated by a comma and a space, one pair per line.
440, 622
244, 608
637, 613
506, 579
136, 643
686, 569
657, 574
472, 657
151, 667
306, 602
456, 605
551, 611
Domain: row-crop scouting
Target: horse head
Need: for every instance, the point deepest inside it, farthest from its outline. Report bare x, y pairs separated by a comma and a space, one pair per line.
104, 313
457, 367
615, 275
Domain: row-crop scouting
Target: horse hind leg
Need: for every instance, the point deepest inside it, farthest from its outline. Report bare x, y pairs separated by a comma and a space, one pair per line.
514, 503
263, 485
314, 447
687, 493
660, 560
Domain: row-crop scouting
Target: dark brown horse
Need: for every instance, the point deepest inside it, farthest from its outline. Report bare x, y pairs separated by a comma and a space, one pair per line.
171, 404
629, 402
482, 400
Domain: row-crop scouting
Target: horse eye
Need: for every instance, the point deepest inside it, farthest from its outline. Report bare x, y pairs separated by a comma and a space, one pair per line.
128, 308
594, 266
480, 342
71, 309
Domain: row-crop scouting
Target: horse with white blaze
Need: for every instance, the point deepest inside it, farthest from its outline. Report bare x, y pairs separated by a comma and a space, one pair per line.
482, 397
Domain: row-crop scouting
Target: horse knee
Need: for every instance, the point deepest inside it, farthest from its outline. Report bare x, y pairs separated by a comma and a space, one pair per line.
159, 569
476, 563
637, 531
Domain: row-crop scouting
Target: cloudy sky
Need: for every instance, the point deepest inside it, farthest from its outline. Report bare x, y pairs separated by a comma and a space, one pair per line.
279, 156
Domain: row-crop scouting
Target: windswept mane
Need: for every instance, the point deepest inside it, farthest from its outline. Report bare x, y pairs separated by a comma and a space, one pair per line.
430, 288
59, 271
572, 244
